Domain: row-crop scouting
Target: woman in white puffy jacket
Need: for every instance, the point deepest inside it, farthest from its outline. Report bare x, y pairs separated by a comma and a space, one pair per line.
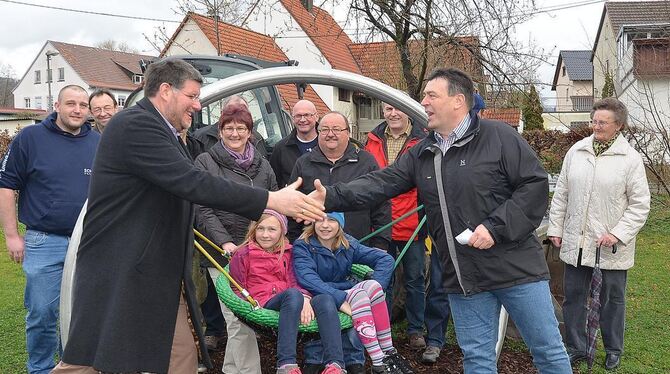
601, 199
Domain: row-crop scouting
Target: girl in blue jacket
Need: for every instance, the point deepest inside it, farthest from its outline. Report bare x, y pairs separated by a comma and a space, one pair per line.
322, 258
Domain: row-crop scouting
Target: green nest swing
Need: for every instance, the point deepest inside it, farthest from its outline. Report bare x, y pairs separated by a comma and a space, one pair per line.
266, 320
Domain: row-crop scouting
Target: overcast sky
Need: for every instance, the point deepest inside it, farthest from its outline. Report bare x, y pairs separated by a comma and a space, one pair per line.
25, 29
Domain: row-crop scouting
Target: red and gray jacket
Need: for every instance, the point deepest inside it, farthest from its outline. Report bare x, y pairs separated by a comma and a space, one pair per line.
406, 202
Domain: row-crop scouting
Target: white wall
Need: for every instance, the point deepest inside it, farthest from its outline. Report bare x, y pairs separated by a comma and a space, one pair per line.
28, 89
191, 41
14, 125
276, 21
605, 54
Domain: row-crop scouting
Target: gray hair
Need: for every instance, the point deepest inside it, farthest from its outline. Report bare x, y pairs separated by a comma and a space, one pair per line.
172, 71
615, 106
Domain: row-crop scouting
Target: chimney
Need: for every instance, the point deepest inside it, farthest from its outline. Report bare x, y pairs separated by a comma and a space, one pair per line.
308, 4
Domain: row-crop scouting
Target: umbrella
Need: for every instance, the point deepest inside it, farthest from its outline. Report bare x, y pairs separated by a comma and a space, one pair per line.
593, 313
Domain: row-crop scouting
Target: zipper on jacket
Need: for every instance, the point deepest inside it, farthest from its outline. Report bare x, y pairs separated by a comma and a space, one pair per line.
251, 181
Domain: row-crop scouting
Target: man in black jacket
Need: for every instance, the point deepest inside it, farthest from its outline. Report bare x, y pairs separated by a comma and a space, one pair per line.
133, 288
300, 141
479, 178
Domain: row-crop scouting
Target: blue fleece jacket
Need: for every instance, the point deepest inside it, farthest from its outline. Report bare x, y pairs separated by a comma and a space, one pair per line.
51, 169
322, 271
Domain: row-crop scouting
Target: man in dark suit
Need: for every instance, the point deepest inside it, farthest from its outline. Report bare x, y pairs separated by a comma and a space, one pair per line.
134, 303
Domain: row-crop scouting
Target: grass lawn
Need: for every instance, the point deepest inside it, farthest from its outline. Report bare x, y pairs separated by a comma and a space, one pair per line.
647, 343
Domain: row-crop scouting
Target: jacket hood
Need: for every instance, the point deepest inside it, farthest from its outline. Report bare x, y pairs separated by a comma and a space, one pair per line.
50, 123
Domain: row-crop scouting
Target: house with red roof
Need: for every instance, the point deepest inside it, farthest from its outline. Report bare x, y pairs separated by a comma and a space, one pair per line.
60, 64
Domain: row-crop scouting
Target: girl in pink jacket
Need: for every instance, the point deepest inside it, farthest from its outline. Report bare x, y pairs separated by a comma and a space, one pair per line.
263, 265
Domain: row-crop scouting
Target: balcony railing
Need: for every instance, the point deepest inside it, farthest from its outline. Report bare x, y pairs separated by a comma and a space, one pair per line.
575, 104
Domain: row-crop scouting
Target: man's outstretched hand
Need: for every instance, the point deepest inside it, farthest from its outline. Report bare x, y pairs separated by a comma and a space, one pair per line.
291, 202
319, 193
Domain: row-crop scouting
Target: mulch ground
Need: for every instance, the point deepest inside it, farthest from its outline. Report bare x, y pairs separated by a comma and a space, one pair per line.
450, 360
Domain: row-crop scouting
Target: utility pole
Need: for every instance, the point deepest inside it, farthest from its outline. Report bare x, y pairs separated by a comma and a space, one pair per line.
50, 101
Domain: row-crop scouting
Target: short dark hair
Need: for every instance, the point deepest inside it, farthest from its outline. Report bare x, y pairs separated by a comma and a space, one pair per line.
236, 113
172, 71
73, 87
458, 82
346, 120
100, 92
615, 106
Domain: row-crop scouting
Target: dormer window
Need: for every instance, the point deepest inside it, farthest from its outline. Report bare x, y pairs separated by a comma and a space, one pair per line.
137, 79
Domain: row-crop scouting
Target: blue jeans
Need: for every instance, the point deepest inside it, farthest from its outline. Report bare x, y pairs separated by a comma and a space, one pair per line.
325, 312
530, 307
413, 264
43, 267
352, 348
437, 304
289, 304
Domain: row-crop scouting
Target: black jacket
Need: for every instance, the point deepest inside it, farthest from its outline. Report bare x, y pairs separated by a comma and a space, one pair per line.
491, 177
360, 220
136, 249
283, 158
221, 226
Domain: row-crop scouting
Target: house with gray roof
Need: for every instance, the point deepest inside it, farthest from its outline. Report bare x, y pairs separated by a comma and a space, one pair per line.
573, 81
633, 46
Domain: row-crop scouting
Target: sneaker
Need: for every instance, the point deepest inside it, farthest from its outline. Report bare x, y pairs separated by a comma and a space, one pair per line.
416, 341
430, 355
385, 369
399, 361
356, 369
202, 368
211, 342
333, 368
289, 369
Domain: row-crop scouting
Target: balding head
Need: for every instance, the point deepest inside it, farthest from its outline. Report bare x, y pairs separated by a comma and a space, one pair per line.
304, 119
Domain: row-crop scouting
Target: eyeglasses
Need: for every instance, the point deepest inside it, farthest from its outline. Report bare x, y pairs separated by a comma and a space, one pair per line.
600, 123
106, 108
298, 117
325, 130
194, 98
230, 130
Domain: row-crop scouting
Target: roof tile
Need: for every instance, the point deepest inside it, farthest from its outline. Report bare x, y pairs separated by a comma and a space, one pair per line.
326, 34
233, 39
511, 116
101, 67
381, 60
637, 13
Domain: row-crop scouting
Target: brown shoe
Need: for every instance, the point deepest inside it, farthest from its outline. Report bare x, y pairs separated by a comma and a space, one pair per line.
416, 341
430, 355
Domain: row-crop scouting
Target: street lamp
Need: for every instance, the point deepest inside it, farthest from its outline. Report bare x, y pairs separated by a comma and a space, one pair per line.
50, 54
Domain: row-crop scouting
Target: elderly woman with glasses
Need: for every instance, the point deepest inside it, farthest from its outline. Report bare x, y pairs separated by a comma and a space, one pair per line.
235, 158
601, 200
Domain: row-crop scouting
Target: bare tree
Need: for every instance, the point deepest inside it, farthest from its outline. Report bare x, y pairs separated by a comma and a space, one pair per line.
233, 12
7, 83
422, 30
113, 45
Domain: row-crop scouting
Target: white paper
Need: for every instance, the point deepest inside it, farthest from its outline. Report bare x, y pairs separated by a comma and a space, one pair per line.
464, 237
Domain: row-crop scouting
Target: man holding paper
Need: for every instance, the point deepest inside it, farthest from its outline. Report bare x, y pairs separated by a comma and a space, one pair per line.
480, 175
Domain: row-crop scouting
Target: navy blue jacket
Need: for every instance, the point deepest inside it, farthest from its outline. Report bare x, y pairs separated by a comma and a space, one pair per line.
322, 271
51, 168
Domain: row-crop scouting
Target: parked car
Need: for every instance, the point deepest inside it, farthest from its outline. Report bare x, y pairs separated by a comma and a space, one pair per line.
271, 121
